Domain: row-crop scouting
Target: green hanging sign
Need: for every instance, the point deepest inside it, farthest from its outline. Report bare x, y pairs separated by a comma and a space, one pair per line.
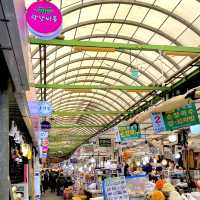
182, 117
128, 133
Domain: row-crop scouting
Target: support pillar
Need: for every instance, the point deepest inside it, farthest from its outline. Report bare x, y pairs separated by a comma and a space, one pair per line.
4, 144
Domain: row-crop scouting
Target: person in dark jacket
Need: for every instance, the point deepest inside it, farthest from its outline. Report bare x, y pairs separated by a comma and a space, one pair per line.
126, 172
68, 182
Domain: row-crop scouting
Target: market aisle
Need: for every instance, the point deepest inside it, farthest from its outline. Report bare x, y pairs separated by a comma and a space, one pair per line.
51, 196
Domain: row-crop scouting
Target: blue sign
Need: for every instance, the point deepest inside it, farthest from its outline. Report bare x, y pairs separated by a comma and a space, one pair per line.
33, 108
43, 135
45, 109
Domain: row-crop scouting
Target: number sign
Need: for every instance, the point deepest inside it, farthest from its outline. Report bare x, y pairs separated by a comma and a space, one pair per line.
158, 122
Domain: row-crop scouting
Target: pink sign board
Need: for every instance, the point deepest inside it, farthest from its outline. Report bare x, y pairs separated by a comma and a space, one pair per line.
45, 148
44, 19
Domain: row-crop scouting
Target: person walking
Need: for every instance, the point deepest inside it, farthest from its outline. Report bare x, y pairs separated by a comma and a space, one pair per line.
43, 183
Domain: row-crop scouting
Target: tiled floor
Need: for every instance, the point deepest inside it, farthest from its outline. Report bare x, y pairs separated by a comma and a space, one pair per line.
51, 196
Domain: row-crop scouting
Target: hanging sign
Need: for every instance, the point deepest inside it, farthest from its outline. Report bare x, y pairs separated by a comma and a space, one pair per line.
33, 108
182, 117
115, 188
45, 148
40, 108
158, 122
44, 20
127, 132
135, 73
45, 109
105, 142
43, 135
115, 131
45, 142
45, 125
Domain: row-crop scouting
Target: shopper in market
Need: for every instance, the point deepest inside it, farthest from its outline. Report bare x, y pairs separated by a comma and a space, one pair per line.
68, 182
43, 182
52, 181
126, 170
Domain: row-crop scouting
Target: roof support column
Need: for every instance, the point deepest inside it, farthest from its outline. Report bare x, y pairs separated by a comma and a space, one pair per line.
4, 143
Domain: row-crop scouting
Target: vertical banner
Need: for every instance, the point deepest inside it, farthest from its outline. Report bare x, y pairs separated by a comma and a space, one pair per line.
158, 122
44, 142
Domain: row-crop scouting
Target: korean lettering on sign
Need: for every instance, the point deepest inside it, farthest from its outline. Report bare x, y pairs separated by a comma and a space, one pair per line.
182, 117
115, 189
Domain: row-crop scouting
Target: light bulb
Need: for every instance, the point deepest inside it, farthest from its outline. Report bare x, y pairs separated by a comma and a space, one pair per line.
164, 162
172, 138
177, 155
92, 160
154, 160
144, 162
138, 163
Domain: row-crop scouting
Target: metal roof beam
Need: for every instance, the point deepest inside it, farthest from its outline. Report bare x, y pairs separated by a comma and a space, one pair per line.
122, 37
75, 113
98, 87
143, 47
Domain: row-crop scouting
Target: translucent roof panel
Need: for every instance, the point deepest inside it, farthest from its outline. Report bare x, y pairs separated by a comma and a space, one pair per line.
124, 21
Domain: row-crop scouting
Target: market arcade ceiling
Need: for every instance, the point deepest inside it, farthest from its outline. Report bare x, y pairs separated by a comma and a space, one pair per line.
173, 22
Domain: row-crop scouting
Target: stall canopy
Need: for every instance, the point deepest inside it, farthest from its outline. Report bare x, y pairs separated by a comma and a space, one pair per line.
80, 112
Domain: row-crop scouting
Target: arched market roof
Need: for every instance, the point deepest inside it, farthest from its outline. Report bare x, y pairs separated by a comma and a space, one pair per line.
160, 22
